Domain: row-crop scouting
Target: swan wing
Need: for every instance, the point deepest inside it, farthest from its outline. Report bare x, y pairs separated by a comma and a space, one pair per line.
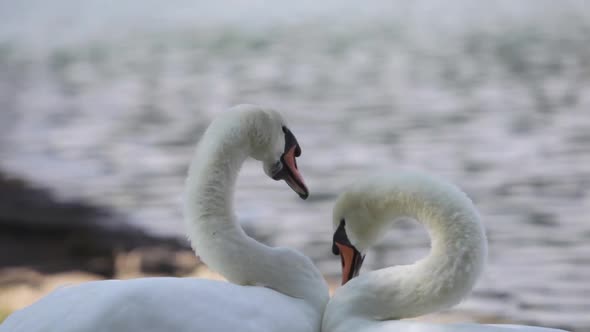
163, 304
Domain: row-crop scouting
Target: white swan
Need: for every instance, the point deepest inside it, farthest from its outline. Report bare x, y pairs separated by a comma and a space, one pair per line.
374, 301
273, 289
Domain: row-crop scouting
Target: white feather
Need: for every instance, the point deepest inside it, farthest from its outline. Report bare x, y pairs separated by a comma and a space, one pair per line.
375, 301
273, 289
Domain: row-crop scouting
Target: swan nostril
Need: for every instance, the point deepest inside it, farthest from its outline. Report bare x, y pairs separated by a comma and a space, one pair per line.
276, 167
335, 249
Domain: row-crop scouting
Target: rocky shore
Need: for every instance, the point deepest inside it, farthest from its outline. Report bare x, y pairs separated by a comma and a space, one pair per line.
45, 243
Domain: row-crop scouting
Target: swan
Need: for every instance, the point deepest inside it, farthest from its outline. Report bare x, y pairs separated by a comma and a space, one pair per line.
375, 301
270, 289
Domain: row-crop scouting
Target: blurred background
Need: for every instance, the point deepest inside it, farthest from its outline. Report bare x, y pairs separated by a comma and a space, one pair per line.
102, 102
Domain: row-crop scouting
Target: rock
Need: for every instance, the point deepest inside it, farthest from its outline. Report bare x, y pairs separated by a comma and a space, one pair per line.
163, 260
16, 276
38, 231
21, 292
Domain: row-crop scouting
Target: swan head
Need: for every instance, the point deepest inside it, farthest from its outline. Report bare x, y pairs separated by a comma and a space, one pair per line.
273, 143
359, 220
356, 226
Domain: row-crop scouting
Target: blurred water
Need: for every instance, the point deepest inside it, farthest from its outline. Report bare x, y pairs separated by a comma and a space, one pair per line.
107, 103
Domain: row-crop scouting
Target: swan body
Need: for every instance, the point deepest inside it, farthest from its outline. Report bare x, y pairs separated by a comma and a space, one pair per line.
163, 304
271, 289
377, 300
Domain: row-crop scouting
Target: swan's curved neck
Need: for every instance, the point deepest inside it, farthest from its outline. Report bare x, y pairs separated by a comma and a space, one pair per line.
457, 256
212, 177
214, 232
208, 203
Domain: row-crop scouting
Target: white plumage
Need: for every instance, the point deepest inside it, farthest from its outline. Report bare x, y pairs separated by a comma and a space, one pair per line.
273, 289
375, 301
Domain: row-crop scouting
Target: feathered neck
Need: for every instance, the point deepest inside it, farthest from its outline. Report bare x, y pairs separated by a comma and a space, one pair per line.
457, 256
214, 232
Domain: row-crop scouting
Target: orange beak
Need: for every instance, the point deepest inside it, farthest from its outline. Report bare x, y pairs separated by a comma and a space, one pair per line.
351, 258
293, 177
352, 261
290, 172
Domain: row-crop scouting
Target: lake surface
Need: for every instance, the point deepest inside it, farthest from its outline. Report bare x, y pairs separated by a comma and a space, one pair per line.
106, 104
